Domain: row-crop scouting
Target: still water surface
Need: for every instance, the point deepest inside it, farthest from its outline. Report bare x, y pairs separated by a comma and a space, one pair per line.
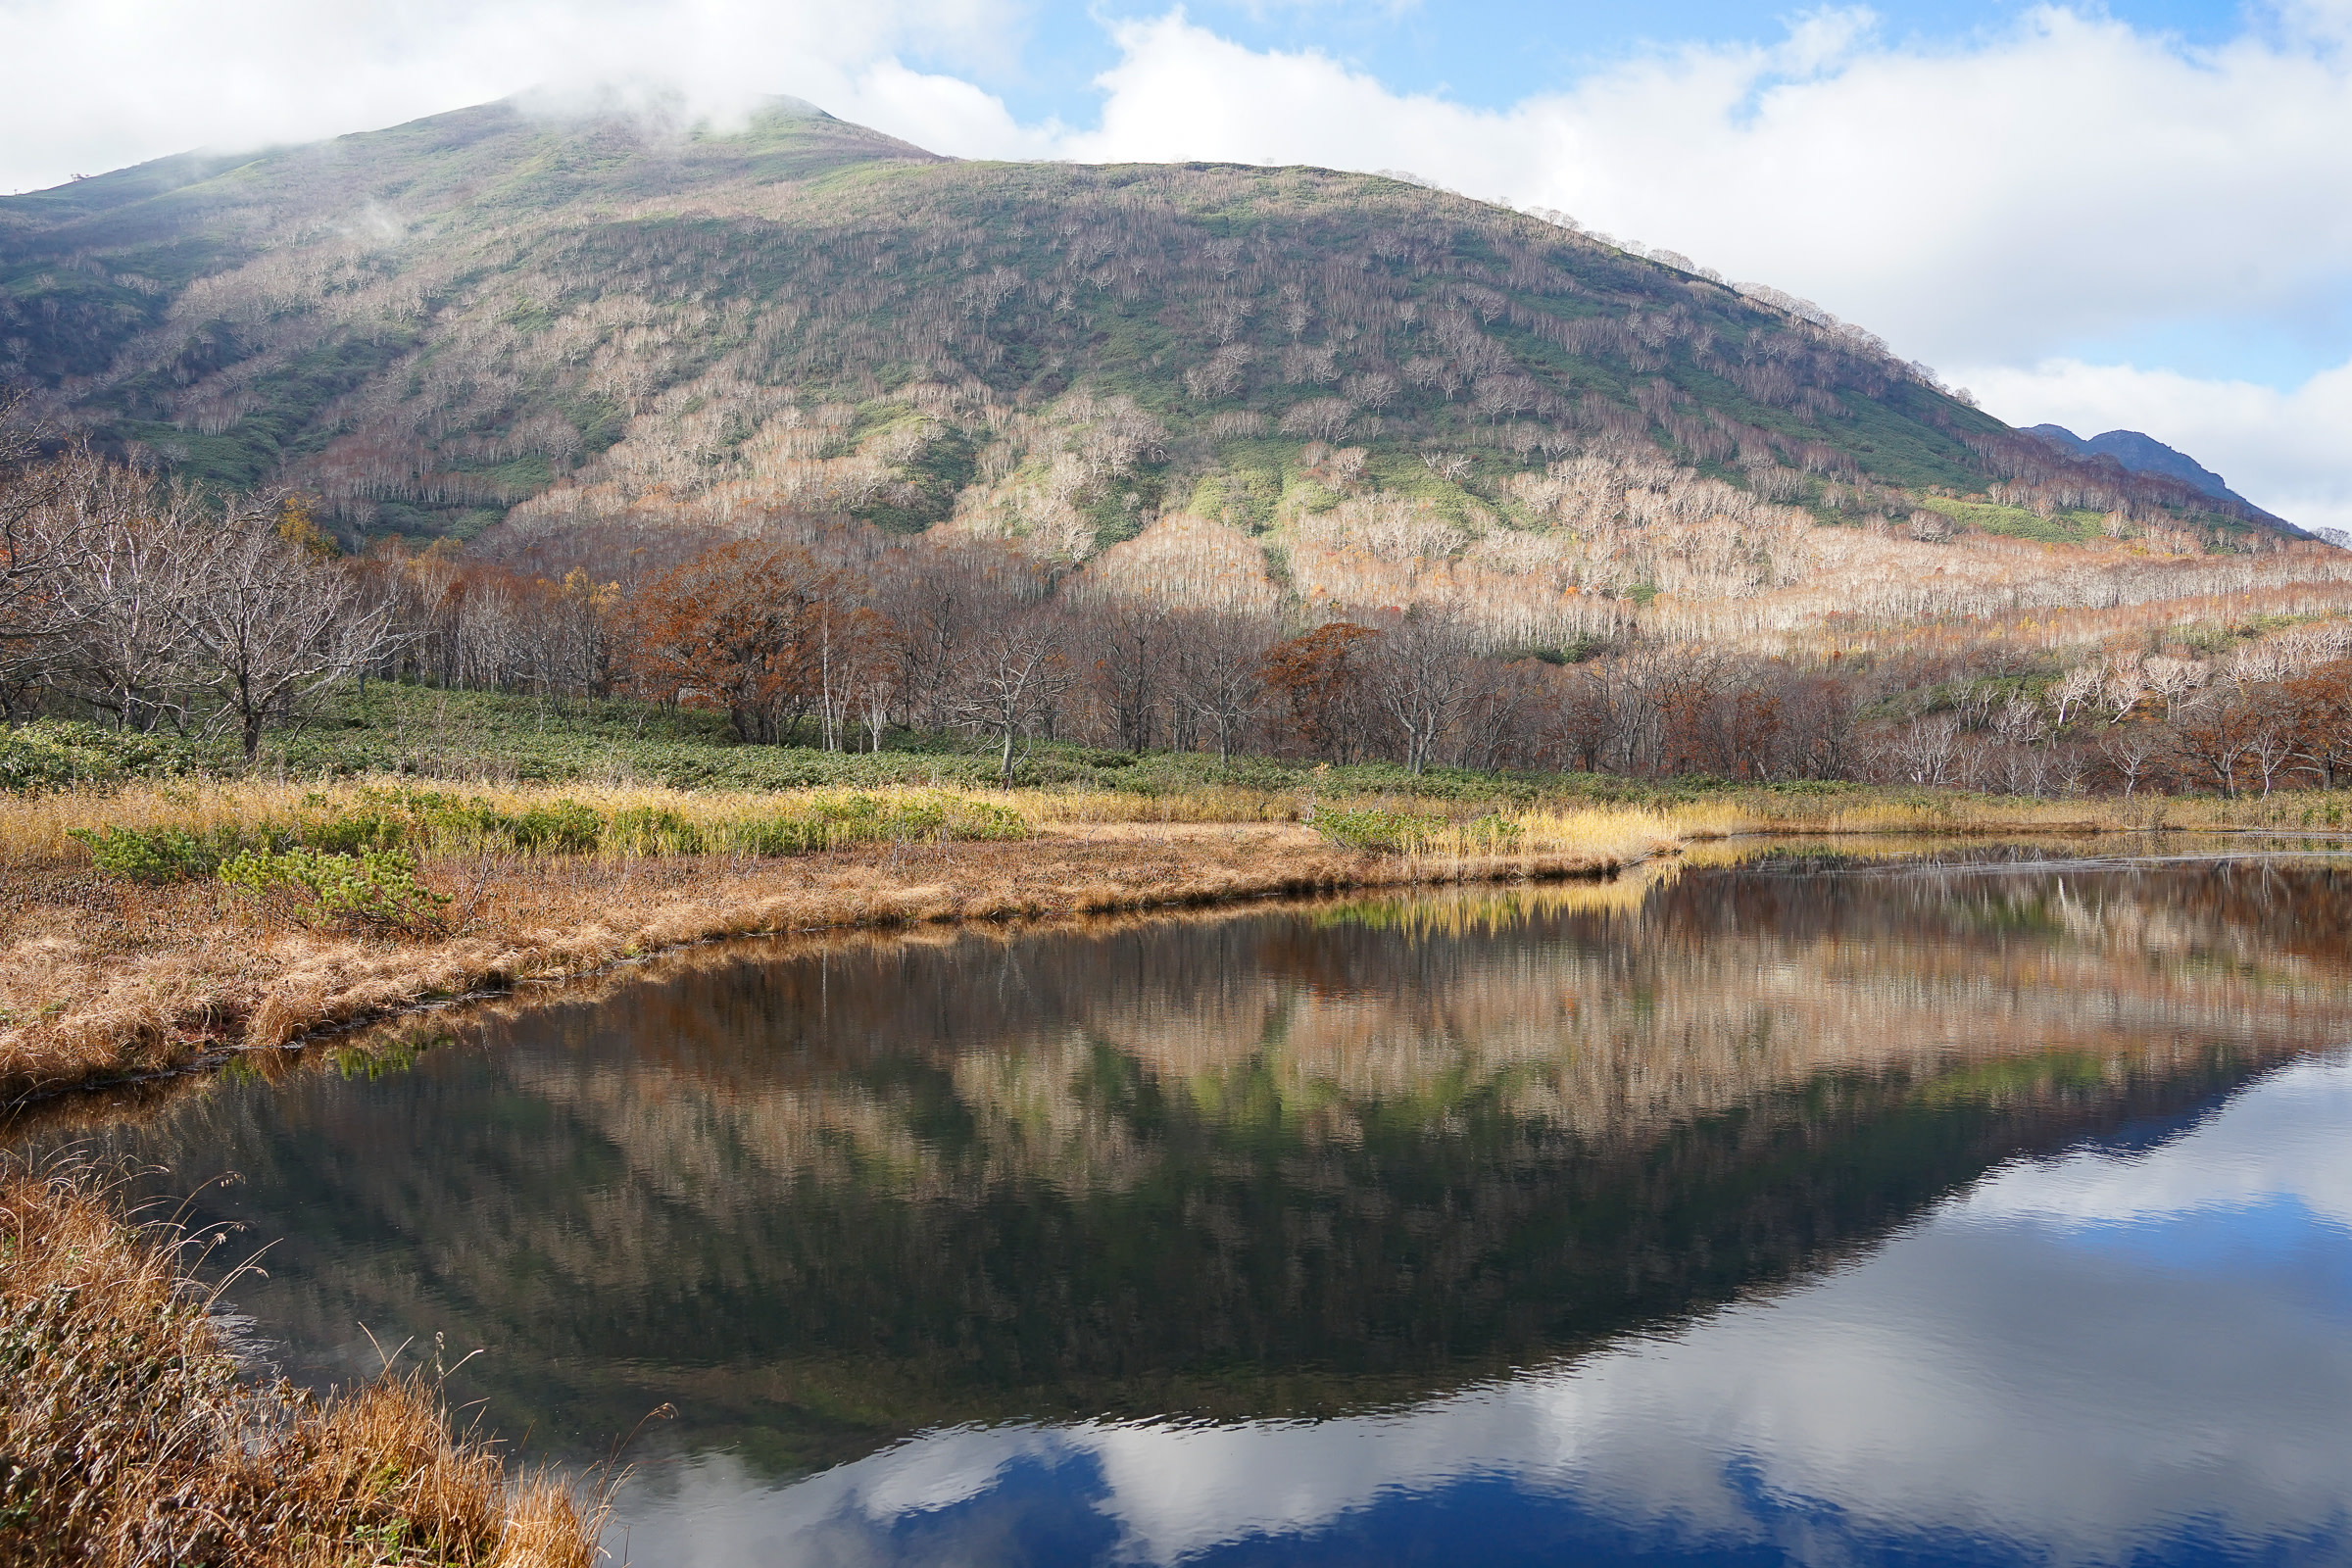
1995, 1210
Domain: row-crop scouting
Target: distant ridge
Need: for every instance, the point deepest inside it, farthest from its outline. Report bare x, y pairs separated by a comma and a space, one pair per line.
2143, 454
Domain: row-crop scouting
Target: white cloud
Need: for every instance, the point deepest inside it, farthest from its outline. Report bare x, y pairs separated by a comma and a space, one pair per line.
125, 80
942, 113
2069, 178
2282, 1138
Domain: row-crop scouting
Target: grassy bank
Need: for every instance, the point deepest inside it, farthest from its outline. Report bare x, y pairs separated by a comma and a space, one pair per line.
127, 1435
158, 905
436, 739
149, 926
106, 974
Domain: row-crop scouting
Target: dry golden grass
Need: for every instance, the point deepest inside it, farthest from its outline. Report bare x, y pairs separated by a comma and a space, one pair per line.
103, 979
131, 1437
36, 829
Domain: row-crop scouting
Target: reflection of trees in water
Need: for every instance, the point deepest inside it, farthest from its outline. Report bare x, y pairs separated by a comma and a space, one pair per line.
1725, 987
1286, 1161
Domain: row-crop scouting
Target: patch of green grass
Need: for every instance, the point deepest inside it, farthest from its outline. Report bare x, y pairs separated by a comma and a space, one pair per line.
2016, 523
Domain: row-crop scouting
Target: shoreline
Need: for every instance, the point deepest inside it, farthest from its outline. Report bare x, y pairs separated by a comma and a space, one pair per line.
116, 1031
111, 983
119, 1353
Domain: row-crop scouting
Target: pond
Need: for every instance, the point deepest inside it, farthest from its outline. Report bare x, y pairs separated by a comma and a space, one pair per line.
1970, 1208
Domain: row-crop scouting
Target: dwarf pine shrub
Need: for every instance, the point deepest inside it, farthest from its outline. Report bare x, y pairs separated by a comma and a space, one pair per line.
377, 889
156, 854
1376, 828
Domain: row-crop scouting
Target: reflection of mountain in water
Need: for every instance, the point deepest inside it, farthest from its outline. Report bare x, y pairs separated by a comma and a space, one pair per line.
2092, 1360
1287, 1162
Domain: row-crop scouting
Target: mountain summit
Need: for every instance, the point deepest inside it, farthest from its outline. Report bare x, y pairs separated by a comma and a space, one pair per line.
1272, 384
2143, 454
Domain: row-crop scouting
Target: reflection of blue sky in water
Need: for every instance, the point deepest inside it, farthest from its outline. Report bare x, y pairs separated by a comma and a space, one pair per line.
2137, 1356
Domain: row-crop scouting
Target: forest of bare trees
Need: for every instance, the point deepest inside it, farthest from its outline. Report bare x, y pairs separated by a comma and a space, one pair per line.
152, 608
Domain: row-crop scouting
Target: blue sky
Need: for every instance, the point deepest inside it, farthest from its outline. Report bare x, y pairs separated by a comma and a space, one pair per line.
2108, 216
1487, 53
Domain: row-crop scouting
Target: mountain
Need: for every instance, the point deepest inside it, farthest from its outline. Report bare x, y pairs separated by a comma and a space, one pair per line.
2143, 454
1221, 382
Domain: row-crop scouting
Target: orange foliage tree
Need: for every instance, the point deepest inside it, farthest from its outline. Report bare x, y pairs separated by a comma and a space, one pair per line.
1319, 681
2322, 704
742, 628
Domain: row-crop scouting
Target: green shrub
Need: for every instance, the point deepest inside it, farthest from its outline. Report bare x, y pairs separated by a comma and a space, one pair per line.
568, 827
437, 819
1493, 832
356, 832
978, 819
1376, 828
163, 854
840, 821
53, 753
376, 889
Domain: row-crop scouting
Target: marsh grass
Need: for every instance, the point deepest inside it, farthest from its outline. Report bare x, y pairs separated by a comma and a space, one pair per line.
131, 1436
105, 975
168, 831
213, 818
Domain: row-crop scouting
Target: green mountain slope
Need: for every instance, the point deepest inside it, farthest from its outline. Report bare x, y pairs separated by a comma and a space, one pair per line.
493, 317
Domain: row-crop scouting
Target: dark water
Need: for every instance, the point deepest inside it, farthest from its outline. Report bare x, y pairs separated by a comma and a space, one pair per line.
1800, 1213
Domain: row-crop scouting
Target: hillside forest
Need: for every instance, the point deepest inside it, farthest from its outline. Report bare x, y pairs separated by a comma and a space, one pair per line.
855, 444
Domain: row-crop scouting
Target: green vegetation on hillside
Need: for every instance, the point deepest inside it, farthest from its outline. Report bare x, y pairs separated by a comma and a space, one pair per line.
450, 316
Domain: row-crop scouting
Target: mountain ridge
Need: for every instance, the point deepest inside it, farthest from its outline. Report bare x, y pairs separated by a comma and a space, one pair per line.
2141, 453
516, 324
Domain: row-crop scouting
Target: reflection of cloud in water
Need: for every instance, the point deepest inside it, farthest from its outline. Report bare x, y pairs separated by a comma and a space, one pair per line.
2287, 1138
1984, 1377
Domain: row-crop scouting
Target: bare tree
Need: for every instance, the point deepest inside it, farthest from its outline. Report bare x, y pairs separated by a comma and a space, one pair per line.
1924, 752
1012, 678
47, 508
1420, 675
2213, 732
1500, 697
1133, 655
2172, 679
2133, 754
2269, 742
2079, 689
119, 604
1219, 672
1322, 419
267, 623
2122, 685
